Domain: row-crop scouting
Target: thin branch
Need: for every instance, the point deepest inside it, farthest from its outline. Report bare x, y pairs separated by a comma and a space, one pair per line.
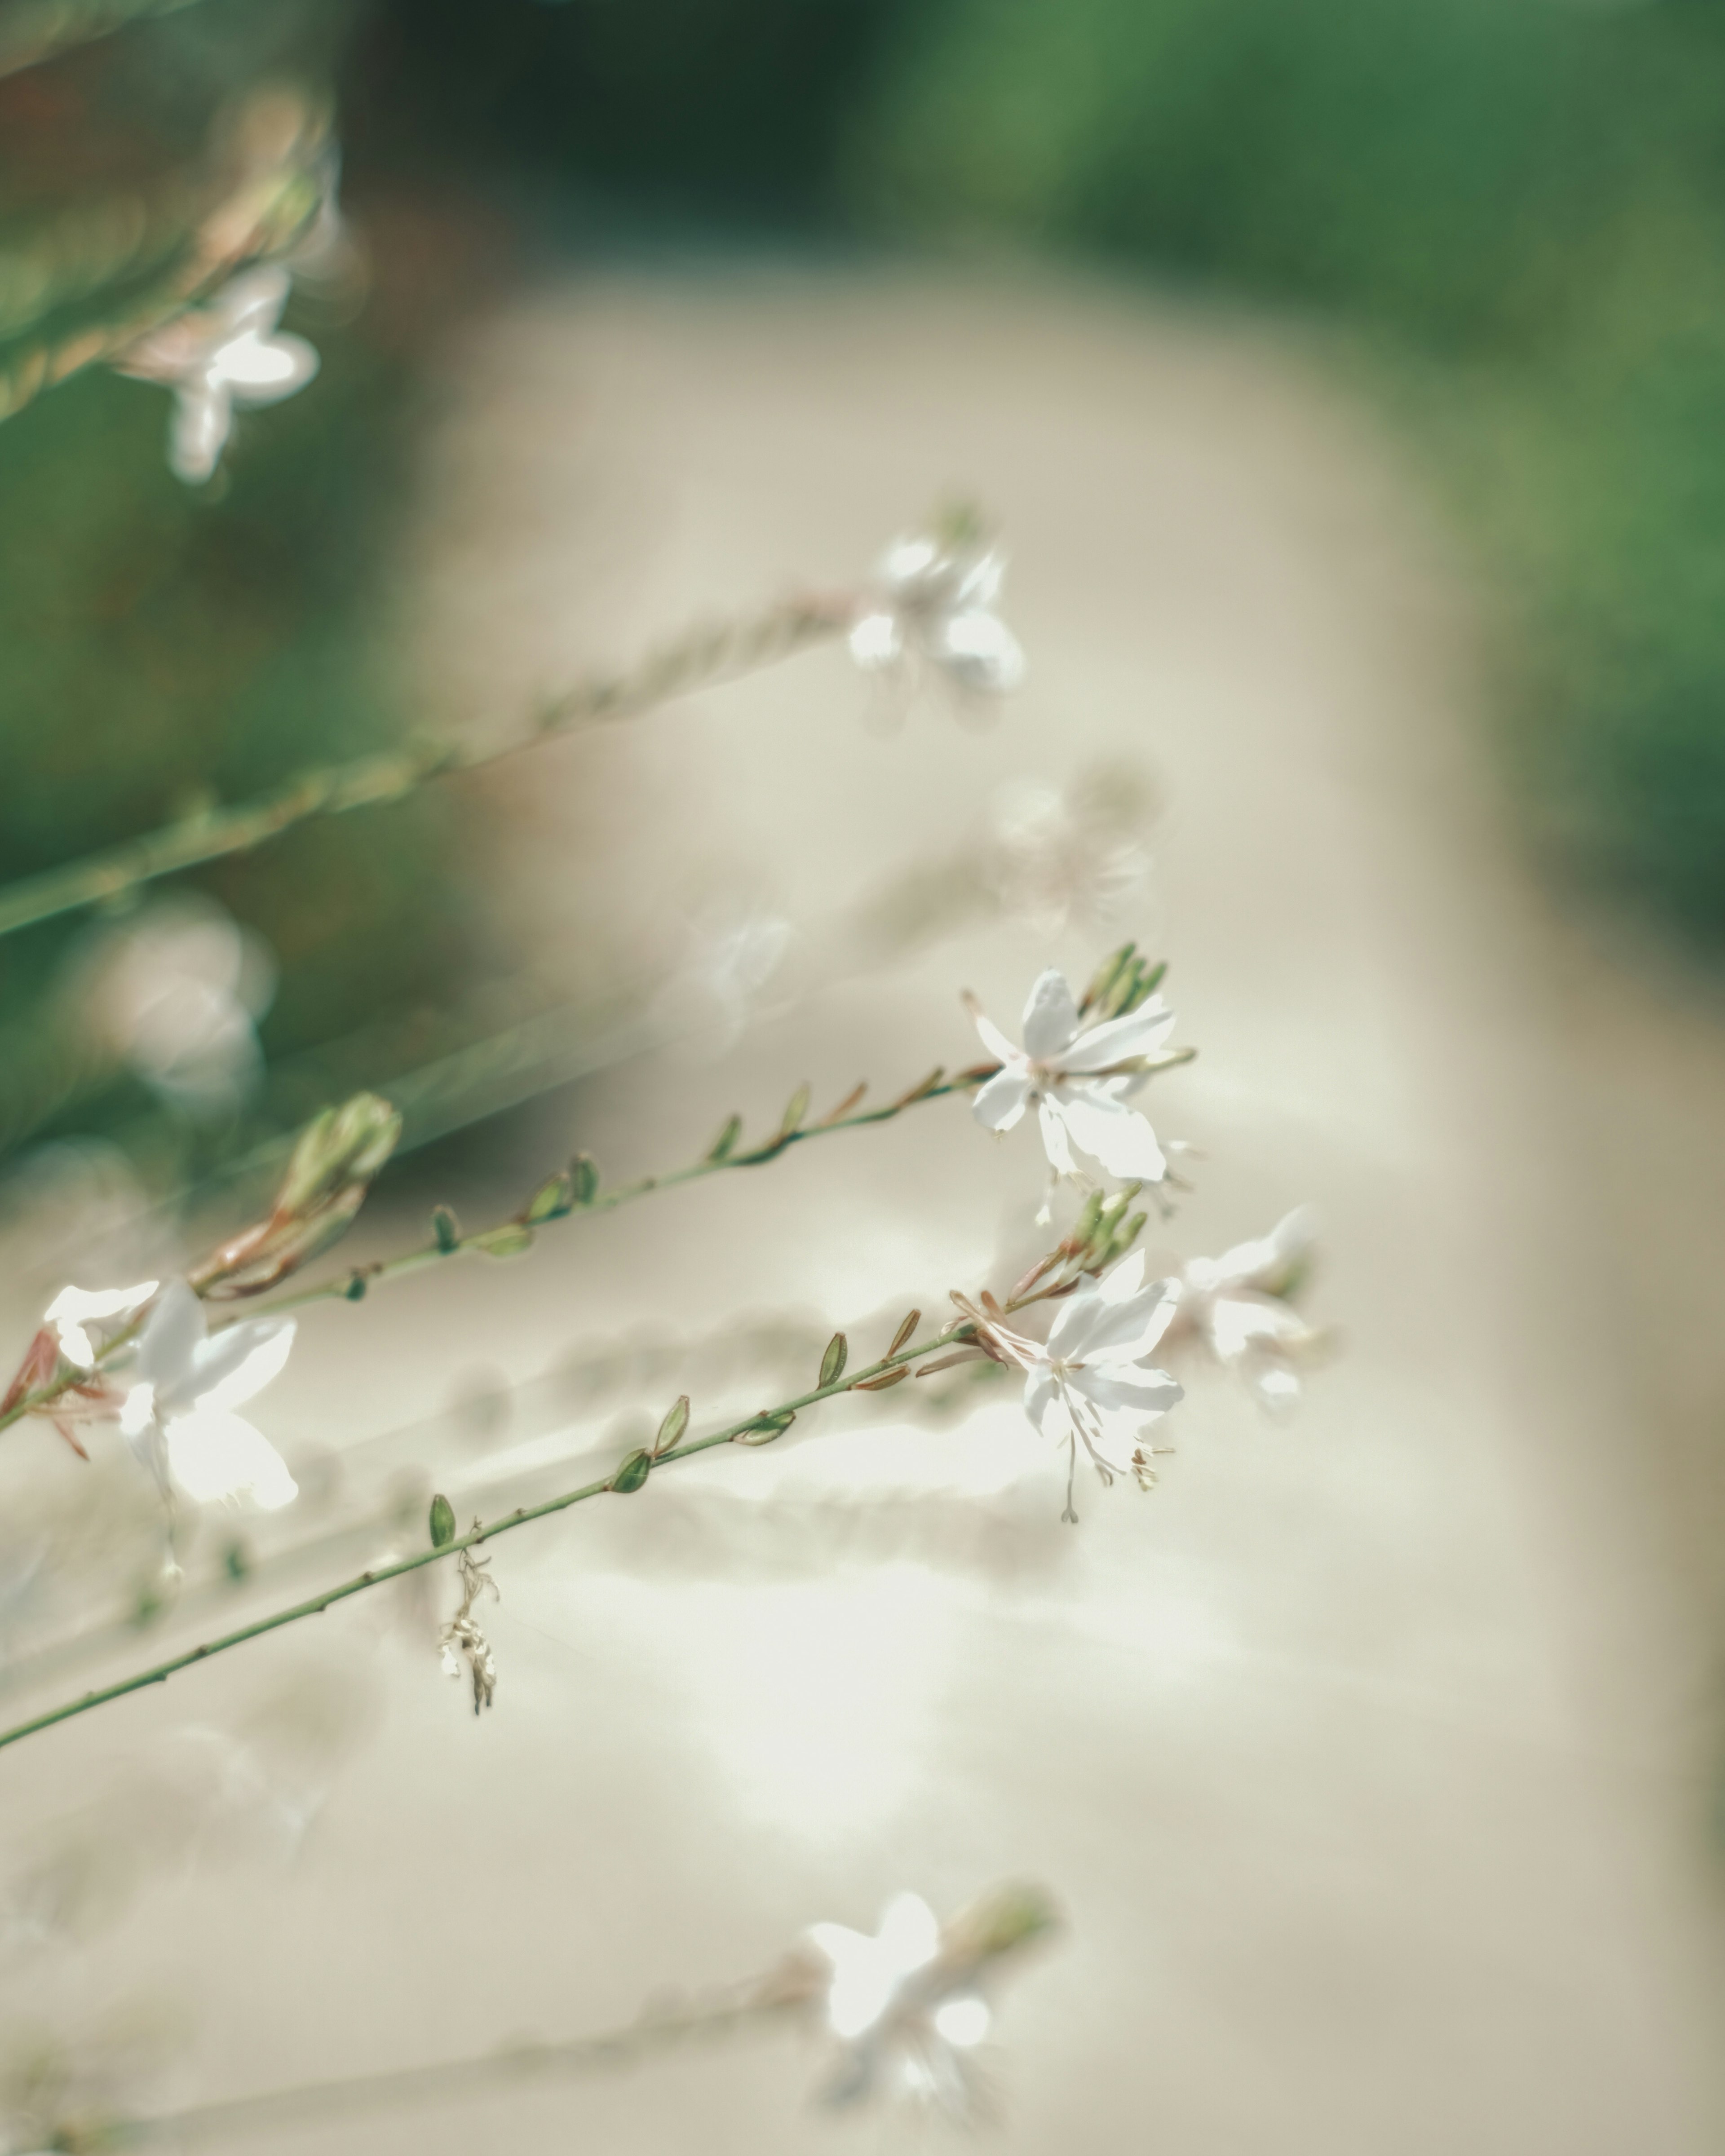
760, 2003
705, 655
506, 1237
37, 30
354, 1284
759, 1429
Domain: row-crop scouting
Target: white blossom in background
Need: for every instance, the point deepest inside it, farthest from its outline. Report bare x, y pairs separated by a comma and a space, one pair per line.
1078, 1079
935, 600
226, 354
1238, 1306
176, 996
1091, 1383
74, 1310
1050, 856
903, 2014
186, 1383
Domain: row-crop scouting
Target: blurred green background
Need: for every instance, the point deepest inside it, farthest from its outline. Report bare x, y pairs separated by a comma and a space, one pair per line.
1507, 216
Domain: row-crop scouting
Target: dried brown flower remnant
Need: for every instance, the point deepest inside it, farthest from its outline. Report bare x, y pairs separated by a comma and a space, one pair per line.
463, 1639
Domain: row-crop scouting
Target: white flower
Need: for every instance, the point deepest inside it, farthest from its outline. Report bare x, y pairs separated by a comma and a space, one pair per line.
903, 2012
1238, 1306
935, 600
179, 1411
226, 353
176, 995
73, 1308
1091, 1383
1077, 1078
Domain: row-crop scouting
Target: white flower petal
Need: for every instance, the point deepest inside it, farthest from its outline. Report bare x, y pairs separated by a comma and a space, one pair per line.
877, 640
173, 1334
72, 1306
263, 371
1044, 1406
1110, 1131
1050, 1017
1244, 1320
252, 302
238, 1362
1129, 1390
197, 433
980, 587
979, 652
212, 1455
996, 1042
910, 1932
999, 1104
963, 2021
1053, 1136
1138, 1033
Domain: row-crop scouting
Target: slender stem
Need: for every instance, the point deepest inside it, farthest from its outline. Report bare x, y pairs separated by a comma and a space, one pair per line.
446, 2077
704, 655
352, 1285
36, 30
758, 1426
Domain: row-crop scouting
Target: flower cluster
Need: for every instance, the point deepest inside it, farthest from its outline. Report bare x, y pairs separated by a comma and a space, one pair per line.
1240, 1308
933, 601
906, 2005
225, 355
1080, 1076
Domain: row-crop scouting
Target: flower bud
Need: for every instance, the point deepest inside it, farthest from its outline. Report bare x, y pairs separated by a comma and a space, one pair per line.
342, 1146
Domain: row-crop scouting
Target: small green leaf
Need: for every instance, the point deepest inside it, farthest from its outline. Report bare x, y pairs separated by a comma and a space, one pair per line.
831, 1363
670, 1430
633, 1473
584, 1178
508, 1241
887, 1378
909, 1326
922, 1088
765, 1428
725, 1144
442, 1522
552, 1199
355, 1290
447, 1229
237, 1561
794, 1110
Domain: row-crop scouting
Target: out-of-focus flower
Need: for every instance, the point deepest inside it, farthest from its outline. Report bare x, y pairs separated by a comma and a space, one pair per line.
462, 1639
906, 2004
1078, 1078
74, 1308
227, 353
1091, 1383
1050, 856
175, 995
1239, 1307
186, 1383
934, 599
731, 954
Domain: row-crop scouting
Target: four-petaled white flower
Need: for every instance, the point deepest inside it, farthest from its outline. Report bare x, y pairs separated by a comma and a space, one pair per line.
1238, 1306
1078, 1077
187, 1382
224, 354
935, 600
74, 1309
1093, 1383
904, 2014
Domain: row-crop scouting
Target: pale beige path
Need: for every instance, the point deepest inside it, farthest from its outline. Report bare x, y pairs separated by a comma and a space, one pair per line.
1368, 1759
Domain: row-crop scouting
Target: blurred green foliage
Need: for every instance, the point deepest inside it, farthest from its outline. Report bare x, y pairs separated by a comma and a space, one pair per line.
1526, 200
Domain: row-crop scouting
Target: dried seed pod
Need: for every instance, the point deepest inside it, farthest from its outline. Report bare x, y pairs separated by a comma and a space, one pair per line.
831, 1363
670, 1430
633, 1473
908, 1325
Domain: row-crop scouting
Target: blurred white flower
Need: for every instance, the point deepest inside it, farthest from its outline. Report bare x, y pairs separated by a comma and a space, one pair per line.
176, 995
1239, 1307
903, 2012
224, 354
1077, 1078
1050, 856
179, 1412
731, 956
1091, 1383
74, 1308
935, 600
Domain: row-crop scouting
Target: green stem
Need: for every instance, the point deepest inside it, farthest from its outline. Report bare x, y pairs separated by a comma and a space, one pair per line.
758, 1424
36, 30
443, 2078
353, 1285
703, 656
